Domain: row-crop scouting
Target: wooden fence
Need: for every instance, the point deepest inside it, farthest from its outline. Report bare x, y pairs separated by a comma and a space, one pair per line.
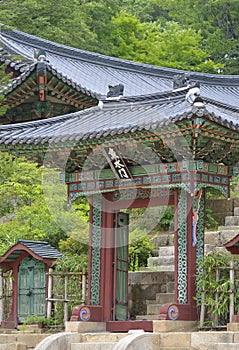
5, 294
67, 289
231, 296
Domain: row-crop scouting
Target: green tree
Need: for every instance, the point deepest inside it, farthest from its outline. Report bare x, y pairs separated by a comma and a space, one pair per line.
156, 32
217, 20
171, 45
27, 211
19, 183
57, 20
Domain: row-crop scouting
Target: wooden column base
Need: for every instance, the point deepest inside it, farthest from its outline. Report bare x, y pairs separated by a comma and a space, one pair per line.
9, 324
86, 313
178, 312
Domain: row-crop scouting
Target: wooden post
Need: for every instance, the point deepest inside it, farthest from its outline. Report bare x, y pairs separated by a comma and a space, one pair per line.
65, 300
1, 296
231, 309
217, 296
83, 285
202, 312
49, 294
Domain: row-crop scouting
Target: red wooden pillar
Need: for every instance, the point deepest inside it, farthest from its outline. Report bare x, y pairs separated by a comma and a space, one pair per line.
106, 283
189, 243
100, 265
12, 320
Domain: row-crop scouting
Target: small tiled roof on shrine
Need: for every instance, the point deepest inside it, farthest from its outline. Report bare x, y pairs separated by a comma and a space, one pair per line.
38, 249
95, 72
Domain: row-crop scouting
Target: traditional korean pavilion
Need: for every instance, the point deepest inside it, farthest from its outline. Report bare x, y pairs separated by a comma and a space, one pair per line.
134, 135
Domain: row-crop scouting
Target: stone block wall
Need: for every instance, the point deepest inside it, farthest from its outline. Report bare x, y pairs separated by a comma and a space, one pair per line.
222, 208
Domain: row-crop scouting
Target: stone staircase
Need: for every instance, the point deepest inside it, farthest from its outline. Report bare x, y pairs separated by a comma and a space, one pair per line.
233, 220
164, 261
133, 340
98, 341
153, 306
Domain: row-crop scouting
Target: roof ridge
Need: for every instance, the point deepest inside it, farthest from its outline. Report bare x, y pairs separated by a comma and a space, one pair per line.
31, 241
123, 64
163, 96
221, 104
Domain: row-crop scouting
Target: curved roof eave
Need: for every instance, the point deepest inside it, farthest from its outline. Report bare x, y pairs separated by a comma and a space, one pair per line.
96, 71
116, 118
21, 78
38, 249
21, 248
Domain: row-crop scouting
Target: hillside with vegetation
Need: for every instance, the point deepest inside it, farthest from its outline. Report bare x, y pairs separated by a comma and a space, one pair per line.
193, 35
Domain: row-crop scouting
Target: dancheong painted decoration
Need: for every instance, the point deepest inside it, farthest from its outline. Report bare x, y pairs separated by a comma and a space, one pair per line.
125, 135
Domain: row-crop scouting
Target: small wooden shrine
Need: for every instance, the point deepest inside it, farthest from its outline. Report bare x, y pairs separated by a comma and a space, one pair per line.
159, 136
30, 262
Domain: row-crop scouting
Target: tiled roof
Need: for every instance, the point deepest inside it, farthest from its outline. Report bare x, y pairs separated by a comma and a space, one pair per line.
95, 72
117, 117
42, 249
39, 248
18, 64
18, 81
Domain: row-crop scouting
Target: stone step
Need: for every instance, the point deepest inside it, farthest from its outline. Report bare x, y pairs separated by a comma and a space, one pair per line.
212, 237
166, 260
146, 317
8, 331
155, 261
166, 268
228, 228
93, 346
209, 248
231, 220
227, 346
164, 239
153, 309
164, 298
13, 346
166, 251
236, 211
180, 348
102, 337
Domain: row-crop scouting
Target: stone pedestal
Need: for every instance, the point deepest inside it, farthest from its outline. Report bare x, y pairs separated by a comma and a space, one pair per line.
85, 327
162, 326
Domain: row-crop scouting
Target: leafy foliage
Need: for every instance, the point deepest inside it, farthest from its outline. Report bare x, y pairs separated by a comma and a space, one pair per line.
208, 286
140, 249
177, 34
54, 20
29, 214
234, 186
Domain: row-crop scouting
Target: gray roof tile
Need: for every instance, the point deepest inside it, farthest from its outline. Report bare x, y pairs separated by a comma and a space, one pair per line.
116, 118
42, 249
94, 72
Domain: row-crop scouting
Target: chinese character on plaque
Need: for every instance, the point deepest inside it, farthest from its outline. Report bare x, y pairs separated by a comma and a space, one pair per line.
117, 163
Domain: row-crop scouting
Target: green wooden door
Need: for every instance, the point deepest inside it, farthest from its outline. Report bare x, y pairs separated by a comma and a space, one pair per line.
121, 268
31, 288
